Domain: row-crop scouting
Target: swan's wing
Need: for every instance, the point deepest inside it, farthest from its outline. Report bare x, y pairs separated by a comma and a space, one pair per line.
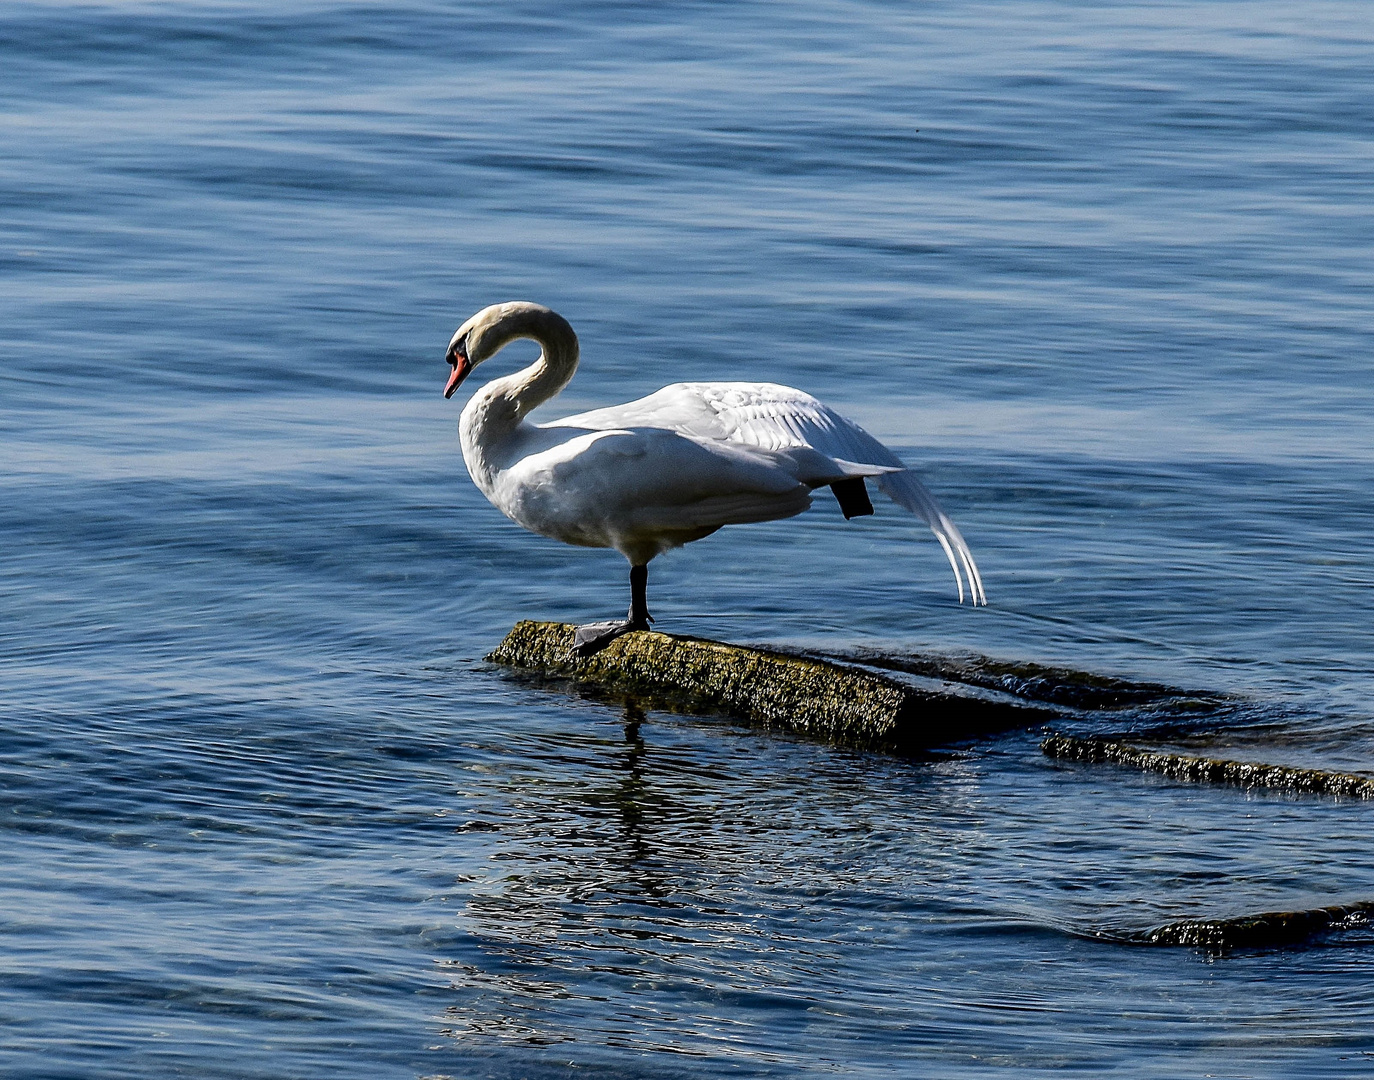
773, 417
785, 424
630, 468
668, 408
762, 415
779, 418
644, 490
778, 425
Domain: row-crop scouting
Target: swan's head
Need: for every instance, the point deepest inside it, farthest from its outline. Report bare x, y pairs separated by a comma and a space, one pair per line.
495, 327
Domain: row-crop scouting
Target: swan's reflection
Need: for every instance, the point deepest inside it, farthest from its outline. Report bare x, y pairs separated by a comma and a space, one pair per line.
631, 792
598, 878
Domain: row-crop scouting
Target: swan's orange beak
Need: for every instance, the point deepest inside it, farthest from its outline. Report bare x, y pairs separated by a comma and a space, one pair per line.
461, 366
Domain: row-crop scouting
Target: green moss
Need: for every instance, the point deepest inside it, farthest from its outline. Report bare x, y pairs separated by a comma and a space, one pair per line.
813, 697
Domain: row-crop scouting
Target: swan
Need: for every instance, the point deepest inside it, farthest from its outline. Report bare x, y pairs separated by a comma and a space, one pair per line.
651, 475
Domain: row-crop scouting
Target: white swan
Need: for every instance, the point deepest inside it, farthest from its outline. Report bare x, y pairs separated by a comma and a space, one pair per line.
657, 473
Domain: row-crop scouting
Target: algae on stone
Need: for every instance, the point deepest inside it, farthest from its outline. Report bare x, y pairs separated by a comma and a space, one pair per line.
802, 694
1210, 770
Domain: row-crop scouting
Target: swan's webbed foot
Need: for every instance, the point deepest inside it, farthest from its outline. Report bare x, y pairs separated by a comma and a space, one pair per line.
593, 637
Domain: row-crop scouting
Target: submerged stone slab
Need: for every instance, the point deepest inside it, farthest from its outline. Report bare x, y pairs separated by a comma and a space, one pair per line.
814, 697
1210, 770
1267, 929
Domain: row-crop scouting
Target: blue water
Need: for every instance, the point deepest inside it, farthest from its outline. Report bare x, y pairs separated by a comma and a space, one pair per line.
1101, 271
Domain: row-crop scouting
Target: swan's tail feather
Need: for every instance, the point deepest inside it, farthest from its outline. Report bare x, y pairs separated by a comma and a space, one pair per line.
907, 491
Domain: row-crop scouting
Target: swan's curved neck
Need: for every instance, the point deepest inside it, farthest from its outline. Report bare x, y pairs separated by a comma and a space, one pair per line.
497, 410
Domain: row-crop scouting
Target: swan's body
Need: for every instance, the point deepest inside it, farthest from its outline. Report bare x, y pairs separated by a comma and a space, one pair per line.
654, 474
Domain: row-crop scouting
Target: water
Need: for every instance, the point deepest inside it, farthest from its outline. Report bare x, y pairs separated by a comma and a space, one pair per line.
1100, 270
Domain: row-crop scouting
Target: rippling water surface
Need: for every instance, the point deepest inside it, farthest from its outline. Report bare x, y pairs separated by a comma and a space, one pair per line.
1101, 271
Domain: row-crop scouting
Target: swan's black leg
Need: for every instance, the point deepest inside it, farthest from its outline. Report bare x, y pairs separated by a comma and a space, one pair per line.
639, 597
594, 637
852, 497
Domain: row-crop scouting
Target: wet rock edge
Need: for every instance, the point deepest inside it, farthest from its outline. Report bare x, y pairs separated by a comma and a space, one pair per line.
808, 695
1243, 774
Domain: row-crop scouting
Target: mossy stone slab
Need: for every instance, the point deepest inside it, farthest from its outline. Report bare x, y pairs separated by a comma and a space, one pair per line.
1243, 774
813, 697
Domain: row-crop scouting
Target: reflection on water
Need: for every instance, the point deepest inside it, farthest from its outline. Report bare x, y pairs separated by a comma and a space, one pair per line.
669, 894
